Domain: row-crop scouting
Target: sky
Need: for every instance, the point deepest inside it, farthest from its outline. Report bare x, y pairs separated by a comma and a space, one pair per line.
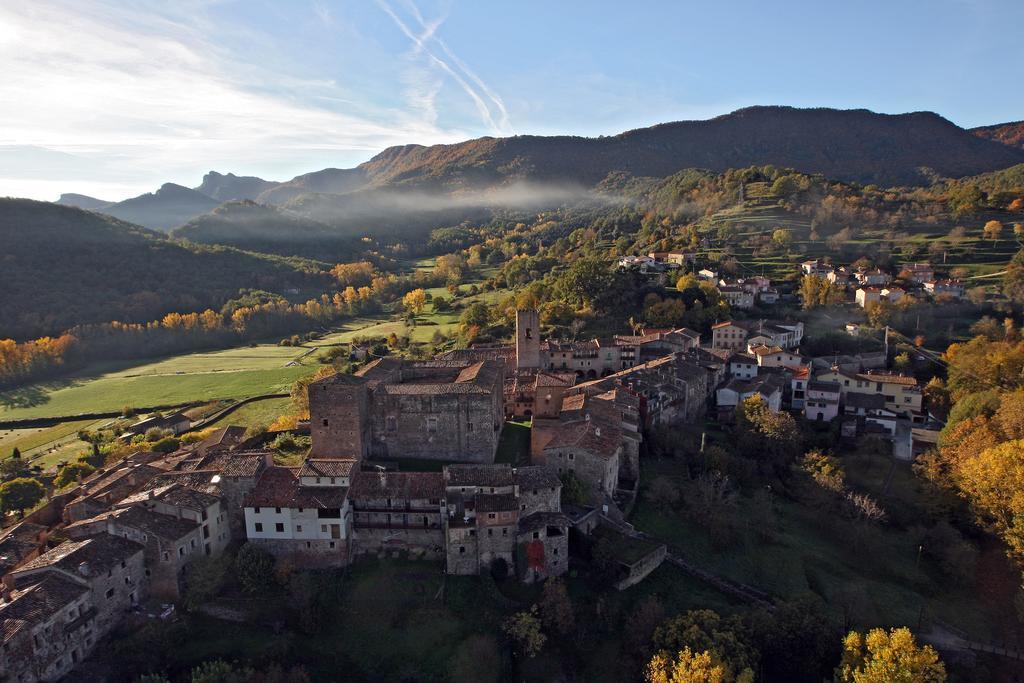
113, 99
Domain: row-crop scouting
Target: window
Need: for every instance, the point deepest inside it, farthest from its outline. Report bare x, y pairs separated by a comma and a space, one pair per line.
277, 510
469, 426
504, 531
490, 515
256, 510
298, 527
259, 527
536, 534
279, 527
462, 550
181, 551
167, 556
431, 424
325, 422
192, 542
323, 528
490, 532
331, 544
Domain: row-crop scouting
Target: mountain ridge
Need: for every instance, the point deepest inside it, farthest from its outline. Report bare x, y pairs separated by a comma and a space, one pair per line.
1010, 133
850, 145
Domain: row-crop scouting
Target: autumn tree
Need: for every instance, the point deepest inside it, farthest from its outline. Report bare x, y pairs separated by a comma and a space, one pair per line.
810, 289
769, 436
414, 301
18, 495
525, 629
724, 639
888, 657
992, 230
782, 238
879, 313
689, 667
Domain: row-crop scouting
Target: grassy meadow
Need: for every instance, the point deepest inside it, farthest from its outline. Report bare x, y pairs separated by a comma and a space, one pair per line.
256, 414
205, 376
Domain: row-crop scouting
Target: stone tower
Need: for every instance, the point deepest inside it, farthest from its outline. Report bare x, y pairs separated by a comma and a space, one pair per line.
527, 339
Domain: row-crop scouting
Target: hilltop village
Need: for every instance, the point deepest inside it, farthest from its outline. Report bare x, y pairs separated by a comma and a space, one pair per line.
121, 540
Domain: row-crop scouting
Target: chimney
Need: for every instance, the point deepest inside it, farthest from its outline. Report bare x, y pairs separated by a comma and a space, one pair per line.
83, 568
268, 458
597, 431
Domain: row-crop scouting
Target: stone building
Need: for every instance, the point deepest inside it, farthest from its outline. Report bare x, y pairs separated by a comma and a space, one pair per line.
191, 496
21, 543
497, 513
169, 543
47, 629
303, 515
108, 486
398, 511
392, 408
59, 605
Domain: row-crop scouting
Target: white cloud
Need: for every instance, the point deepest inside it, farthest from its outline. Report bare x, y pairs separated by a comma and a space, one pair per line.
137, 97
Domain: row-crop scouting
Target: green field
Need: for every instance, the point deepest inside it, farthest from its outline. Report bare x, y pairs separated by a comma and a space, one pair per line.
48, 446
238, 373
256, 414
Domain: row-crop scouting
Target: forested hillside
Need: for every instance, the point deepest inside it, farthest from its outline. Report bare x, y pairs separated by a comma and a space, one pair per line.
1011, 134
165, 209
62, 266
258, 227
853, 145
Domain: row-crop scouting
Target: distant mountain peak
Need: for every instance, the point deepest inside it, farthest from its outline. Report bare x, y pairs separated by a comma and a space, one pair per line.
82, 201
228, 186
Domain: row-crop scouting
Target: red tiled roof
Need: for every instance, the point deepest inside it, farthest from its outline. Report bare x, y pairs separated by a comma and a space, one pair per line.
398, 485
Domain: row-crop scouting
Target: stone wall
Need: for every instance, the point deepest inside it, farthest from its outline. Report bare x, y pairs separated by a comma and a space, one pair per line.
539, 500
461, 550
307, 553
455, 427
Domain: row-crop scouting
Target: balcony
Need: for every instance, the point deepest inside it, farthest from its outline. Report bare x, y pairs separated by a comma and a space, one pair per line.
397, 526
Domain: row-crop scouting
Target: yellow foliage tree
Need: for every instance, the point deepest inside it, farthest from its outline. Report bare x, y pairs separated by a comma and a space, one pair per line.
888, 657
414, 301
992, 230
687, 667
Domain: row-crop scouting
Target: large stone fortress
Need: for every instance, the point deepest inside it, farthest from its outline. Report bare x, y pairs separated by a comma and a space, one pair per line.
450, 410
